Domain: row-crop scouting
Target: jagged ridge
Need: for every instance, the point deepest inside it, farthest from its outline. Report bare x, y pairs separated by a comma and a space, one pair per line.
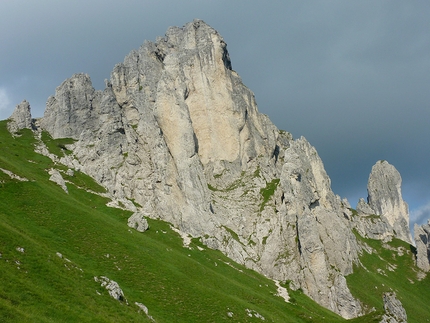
178, 133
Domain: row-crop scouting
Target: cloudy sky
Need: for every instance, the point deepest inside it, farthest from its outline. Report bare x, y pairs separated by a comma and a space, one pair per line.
353, 77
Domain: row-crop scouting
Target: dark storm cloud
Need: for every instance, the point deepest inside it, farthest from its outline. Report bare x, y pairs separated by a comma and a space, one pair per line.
352, 77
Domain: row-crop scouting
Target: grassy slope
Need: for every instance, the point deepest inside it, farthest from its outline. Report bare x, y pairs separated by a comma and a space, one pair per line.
387, 270
176, 284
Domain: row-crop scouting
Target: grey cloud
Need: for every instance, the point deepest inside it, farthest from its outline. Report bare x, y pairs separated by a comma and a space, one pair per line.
421, 215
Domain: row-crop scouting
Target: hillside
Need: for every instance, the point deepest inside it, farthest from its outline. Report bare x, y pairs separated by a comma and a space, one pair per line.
175, 283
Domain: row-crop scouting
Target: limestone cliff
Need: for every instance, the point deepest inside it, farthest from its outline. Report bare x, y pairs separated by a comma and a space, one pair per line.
176, 135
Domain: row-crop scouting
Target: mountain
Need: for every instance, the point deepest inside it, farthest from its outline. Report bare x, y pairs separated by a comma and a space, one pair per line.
176, 136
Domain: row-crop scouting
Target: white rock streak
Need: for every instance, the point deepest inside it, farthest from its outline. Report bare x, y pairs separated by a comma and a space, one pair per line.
282, 291
185, 237
14, 176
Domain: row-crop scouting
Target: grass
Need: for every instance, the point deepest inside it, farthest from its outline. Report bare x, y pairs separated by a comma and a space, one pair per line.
385, 270
84, 181
268, 191
56, 146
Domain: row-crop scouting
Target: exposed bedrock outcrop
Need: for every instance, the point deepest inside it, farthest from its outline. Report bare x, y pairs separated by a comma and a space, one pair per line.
394, 310
20, 118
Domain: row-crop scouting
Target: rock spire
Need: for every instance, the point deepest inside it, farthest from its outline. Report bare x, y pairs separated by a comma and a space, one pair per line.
385, 200
20, 118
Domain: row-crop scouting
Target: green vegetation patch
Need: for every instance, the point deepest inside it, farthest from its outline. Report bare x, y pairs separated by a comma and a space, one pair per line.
388, 269
57, 146
232, 233
212, 188
268, 191
84, 181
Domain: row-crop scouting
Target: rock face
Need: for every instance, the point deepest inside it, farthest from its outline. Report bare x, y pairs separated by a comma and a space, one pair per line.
394, 311
422, 242
20, 118
385, 215
62, 118
176, 132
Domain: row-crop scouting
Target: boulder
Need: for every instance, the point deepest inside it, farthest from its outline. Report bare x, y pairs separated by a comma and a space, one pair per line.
112, 287
138, 222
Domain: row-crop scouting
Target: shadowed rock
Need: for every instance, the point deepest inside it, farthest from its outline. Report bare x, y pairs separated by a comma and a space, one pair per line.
422, 242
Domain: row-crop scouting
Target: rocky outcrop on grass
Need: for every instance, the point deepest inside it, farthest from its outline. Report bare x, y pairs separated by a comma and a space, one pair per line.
112, 287
394, 311
58, 179
20, 118
138, 222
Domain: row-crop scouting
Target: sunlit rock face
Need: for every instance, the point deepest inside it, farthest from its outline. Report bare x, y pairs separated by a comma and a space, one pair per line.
385, 200
176, 135
20, 118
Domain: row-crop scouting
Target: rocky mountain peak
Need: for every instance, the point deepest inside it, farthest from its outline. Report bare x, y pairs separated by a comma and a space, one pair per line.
198, 36
384, 189
175, 75
176, 135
